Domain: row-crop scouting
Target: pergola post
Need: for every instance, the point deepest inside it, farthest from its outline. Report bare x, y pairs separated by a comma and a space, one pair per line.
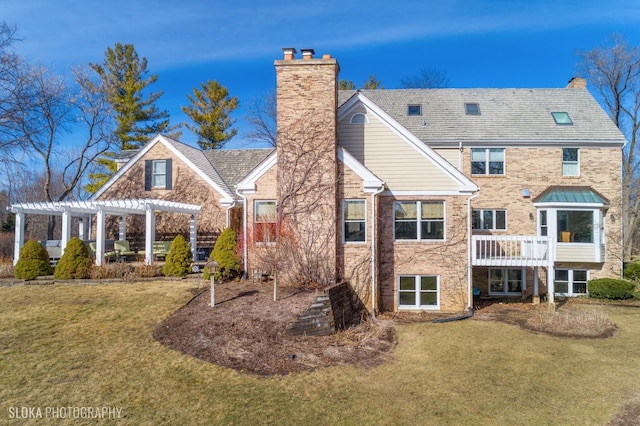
19, 236
83, 228
99, 236
149, 234
122, 228
193, 236
66, 229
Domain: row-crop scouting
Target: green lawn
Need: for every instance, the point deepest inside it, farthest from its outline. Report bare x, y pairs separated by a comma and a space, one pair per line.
91, 345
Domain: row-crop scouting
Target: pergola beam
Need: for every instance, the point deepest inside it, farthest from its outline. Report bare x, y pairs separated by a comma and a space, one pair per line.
68, 209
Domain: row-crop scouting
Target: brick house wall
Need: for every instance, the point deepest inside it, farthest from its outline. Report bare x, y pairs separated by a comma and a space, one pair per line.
354, 258
187, 187
536, 169
445, 259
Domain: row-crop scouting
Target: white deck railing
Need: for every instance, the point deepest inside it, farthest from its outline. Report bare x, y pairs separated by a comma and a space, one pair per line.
511, 250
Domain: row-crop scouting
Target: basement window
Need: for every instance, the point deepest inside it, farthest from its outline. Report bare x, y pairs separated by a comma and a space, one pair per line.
414, 110
472, 109
562, 118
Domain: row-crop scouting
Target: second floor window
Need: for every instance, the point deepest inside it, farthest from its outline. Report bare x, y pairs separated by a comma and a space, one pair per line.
489, 219
157, 174
354, 221
265, 221
570, 162
419, 220
487, 161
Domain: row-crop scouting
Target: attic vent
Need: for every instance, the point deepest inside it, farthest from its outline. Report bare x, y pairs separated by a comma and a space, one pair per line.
414, 110
472, 108
562, 118
358, 118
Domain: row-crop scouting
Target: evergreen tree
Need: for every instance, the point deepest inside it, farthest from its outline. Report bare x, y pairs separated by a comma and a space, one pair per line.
209, 110
124, 77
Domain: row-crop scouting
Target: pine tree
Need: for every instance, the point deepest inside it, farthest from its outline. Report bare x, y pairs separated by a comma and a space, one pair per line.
209, 111
124, 77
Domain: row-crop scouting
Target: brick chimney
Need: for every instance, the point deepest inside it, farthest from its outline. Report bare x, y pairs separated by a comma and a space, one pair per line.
307, 101
577, 83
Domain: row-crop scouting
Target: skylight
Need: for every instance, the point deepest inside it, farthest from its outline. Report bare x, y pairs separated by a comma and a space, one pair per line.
414, 110
472, 108
562, 118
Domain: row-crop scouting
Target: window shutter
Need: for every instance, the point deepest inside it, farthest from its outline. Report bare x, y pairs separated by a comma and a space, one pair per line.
168, 171
148, 173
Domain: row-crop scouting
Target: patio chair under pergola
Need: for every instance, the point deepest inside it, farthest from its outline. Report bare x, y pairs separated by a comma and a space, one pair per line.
85, 209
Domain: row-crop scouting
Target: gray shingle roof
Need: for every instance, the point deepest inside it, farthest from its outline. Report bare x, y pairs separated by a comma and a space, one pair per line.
234, 164
506, 115
197, 157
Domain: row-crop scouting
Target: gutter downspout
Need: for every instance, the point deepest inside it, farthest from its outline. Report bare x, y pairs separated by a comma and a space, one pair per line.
373, 251
469, 268
245, 261
228, 214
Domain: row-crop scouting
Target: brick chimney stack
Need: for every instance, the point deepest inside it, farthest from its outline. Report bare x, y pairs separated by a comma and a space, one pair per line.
307, 103
577, 83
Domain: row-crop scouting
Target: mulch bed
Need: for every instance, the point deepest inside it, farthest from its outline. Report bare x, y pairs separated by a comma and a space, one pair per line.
244, 331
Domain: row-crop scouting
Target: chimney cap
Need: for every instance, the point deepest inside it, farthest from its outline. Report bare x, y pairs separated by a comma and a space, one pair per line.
307, 53
289, 52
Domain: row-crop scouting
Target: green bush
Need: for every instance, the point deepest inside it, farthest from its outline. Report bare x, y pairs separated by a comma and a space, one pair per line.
75, 262
632, 271
179, 260
610, 288
33, 262
224, 252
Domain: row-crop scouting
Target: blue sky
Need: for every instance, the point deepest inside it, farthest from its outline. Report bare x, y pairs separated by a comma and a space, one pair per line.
483, 43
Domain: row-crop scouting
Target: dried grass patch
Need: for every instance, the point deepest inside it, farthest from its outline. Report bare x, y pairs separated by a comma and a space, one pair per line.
573, 321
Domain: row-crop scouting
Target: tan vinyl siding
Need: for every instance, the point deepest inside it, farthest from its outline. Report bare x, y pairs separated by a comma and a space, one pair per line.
576, 253
451, 155
400, 165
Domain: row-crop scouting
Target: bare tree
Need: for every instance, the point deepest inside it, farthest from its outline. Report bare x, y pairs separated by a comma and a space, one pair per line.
303, 253
262, 118
427, 78
12, 86
49, 109
613, 71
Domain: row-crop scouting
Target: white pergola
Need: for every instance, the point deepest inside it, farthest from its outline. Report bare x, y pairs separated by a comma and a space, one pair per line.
84, 209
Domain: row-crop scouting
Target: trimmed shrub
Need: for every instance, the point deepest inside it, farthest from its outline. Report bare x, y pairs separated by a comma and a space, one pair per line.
33, 262
75, 262
224, 252
178, 261
610, 288
632, 271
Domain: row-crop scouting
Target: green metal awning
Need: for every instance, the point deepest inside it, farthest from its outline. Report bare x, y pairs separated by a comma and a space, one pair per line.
571, 194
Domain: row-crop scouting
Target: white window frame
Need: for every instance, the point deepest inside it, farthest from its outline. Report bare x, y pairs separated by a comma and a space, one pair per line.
543, 223
417, 291
345, 221
257, 222
595, 218
571, 282
156, 175
487, 161
570, 167
505, 282
418, 220
482, 212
